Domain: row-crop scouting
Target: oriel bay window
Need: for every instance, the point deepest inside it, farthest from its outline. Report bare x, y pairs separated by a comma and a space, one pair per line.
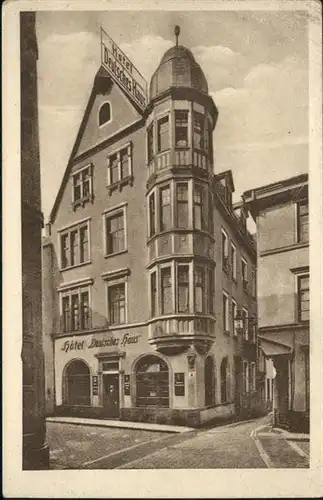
166, 291
163, 138
165, 208
182, 205
180, 288
74, 245
75, 307
183, 297
181, 129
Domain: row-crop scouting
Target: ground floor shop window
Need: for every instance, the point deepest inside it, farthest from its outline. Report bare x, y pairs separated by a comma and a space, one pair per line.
152, 382
78, 385
209, 380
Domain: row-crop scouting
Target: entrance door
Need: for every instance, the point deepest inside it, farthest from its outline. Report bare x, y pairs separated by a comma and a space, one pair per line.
111, 395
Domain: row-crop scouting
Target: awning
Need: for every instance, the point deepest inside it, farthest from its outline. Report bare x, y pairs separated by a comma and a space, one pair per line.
271, 348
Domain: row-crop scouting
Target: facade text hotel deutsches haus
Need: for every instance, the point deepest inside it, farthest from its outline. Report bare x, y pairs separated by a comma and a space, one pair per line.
146, 261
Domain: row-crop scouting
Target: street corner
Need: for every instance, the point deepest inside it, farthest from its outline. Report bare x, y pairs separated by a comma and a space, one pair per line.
278, 450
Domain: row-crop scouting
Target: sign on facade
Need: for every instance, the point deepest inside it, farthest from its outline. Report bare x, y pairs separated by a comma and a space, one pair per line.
123, 71
179, 384
127, 385
95, 385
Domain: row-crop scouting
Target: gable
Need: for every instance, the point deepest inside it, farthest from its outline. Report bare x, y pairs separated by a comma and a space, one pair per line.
123, 114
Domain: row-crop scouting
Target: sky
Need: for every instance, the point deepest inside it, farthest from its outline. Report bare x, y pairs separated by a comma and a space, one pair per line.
256, 64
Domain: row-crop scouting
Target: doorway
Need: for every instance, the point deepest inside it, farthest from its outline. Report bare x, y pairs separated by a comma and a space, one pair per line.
111, 395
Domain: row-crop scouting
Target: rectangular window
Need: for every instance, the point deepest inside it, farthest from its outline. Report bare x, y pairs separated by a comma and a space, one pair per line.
245, 323
253, 376
152, 215
302, 223
182, 205
75, 306
82, 185
234, 261
225, 250
245, 375
75, 246
120, 166
253, 282
244, 273
198, 130
84, 244
199, 222
150, 143
234, 311
114, 168
163, 134
115, 233
153, 290
183, 289
225, 312
165, 209
117, 304
181, 129
211, 286
166, 291
210, 213
303, 298
199, 285
65, 253
124, 161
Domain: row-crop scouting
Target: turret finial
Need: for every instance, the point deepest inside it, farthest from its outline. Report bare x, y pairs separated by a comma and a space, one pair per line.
177, 31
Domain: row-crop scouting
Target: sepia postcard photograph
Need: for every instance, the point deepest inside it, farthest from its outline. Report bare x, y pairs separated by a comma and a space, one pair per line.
163, 255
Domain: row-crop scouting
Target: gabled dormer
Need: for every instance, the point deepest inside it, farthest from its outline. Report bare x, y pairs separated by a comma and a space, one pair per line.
224, 186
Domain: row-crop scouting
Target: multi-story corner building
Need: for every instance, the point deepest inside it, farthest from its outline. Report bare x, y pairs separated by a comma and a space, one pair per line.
35, 448
146, 261
281, 214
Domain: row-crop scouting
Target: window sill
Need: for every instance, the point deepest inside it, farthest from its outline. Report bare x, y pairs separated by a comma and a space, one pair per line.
120, 184
76, 265
107, 256
82, 202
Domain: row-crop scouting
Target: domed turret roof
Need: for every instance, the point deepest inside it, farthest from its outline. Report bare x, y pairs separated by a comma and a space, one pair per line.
177, 68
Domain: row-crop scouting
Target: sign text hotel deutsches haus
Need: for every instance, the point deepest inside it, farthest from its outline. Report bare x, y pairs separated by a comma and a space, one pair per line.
123, 71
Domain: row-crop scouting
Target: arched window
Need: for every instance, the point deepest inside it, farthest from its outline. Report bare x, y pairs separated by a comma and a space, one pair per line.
152, 382
77, 384
209, 381
224, 388
105, 113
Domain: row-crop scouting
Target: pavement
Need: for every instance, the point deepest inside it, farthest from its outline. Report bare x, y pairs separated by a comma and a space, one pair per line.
90, 444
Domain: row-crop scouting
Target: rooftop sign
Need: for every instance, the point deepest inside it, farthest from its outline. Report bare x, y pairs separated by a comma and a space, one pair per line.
123, 71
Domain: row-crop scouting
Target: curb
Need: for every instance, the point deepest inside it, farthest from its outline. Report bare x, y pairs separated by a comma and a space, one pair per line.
120, 424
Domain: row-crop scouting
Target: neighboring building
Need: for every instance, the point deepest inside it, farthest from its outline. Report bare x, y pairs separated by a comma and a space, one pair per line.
281, 214
147, 263
35, 449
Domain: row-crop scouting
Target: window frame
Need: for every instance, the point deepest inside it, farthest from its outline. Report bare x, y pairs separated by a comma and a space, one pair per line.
164, 118
180, 201
162, 188
67, 231
109, 214
225, 254
225, 313
233, 261
303, 202
83, 198
246, 323
99, 110
244, 279
112, 279
118, 153
69, 292
186, 113
234, 305
299, 277
252, 379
